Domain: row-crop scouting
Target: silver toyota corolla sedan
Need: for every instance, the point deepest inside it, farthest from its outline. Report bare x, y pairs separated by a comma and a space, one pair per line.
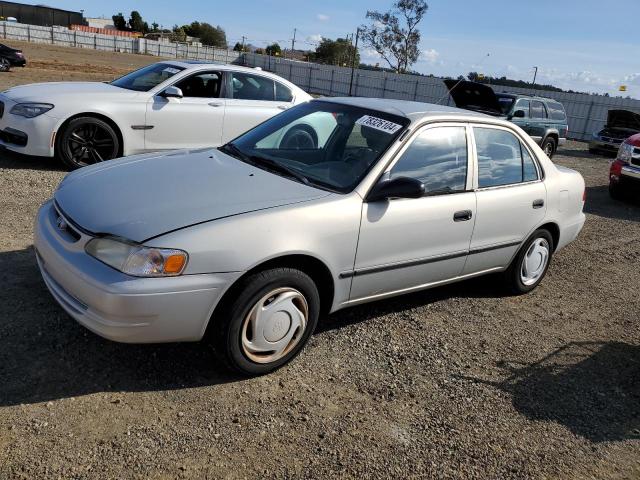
249, 243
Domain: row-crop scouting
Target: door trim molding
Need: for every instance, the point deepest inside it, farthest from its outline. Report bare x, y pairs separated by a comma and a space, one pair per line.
424, 261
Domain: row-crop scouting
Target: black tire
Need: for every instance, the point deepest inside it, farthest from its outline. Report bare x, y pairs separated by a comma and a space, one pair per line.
300, 137
5, 65
226, 330
615, 191
549, 146
513, 275
98, 139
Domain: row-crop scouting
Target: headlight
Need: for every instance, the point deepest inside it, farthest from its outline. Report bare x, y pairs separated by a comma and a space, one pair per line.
625, 153
30, 110
137, 260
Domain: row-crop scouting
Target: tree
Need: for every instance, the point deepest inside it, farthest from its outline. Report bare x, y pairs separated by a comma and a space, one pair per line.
136, 23
178, 34
119, 22
394, 35
155, 27
273, 49
238, 47
336, 52
207, 33
260, 51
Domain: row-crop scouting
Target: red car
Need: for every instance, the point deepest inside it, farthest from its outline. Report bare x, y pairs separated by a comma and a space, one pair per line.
624, 175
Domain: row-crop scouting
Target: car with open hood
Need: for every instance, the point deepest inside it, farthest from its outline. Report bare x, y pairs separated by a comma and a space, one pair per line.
621, 124
544, 119
163, 106
246, 245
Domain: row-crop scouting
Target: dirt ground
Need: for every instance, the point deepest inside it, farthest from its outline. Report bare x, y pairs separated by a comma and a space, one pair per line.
456, 382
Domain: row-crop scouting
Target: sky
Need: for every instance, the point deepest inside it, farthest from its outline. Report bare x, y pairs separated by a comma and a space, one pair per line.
584, 45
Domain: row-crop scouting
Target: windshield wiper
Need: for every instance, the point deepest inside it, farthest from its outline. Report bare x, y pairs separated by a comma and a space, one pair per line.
231, 149
273, 165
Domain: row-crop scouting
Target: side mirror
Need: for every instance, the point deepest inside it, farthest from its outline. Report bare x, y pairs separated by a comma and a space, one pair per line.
400, 187
518, 114
172, 92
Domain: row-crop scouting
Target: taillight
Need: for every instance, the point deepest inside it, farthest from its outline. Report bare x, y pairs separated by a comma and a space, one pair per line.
616, 169
584, 196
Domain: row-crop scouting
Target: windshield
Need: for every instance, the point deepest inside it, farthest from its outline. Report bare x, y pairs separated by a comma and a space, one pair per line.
324, 144
146, 78
506, 102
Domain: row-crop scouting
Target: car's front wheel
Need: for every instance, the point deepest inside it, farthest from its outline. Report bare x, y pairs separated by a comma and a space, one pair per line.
266, 321
5, 65
87, 140
531, 263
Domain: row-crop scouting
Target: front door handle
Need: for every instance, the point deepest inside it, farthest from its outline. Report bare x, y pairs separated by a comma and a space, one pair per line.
214, 104
462, 216
283, 107
538, 203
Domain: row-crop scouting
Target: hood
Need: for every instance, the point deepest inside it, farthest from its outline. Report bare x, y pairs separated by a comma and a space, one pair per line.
144, 196
474, 96
623, 119
41, 92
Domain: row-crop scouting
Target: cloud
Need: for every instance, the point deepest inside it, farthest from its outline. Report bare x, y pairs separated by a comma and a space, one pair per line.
431, 55
322, 17
314, 38
633, 79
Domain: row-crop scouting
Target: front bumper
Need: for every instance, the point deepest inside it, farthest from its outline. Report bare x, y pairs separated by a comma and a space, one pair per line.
38, 132
117, 306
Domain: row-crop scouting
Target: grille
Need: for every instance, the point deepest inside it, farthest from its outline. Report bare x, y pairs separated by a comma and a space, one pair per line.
64, 229
635, 159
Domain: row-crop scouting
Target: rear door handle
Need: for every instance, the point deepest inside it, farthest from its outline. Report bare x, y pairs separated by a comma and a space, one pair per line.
283, 107
538, 203
462, 216
215, 104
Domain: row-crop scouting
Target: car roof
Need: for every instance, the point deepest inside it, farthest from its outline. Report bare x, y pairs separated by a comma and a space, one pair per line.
405, 108
195, 65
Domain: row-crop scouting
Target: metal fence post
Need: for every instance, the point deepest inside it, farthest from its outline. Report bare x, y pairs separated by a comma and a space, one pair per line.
415, 90
115, 44
333, 72
384, 85
75, 38
4, 30
52, 36
587, 119
28, 33
309, 82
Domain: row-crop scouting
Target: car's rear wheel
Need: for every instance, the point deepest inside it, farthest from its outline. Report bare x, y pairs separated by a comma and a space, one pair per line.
266, 321
87, 140
549, 146
531, 263
615, 191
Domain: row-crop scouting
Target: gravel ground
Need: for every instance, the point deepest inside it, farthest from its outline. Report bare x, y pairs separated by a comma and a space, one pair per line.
456, 382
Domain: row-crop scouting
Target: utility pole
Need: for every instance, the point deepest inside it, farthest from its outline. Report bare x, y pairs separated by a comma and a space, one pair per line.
293, 40
353, 60
535, 74
243, 39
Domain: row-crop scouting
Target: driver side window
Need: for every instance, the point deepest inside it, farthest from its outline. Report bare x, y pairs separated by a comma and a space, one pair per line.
438, 158
201, 85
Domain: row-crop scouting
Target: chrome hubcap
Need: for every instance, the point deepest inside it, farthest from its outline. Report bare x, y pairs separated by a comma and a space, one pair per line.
275, 325
535, 261
548, 149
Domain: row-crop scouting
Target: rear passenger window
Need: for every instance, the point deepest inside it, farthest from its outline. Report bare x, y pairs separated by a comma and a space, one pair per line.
251, 87
438, 158
502, 159
283, 94
538, 110
556, 111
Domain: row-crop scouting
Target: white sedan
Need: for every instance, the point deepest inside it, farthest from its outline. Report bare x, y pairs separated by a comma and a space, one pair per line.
165, 105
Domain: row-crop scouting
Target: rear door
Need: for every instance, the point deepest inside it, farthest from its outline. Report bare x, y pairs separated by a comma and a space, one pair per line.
511, 197
193, 121
539, 122
251, 99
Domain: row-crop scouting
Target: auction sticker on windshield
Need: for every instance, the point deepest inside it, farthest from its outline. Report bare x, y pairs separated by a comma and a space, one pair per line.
378, 123
171, 70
